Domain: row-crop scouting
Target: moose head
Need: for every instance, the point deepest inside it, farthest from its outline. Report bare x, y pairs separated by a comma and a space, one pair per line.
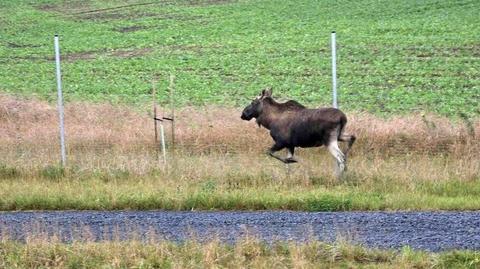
256, 106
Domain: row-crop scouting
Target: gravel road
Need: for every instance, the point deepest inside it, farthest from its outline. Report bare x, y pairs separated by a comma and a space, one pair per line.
432, 231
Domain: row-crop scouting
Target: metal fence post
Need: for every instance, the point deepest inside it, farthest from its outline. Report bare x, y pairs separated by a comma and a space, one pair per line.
162, 132
172, 104
334, 70
162, 135
60, 102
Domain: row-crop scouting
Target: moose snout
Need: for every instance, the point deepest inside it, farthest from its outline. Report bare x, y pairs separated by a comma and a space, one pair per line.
247, 113
246, 116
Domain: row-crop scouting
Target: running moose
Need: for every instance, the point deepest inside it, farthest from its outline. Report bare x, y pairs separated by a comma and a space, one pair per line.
293, 125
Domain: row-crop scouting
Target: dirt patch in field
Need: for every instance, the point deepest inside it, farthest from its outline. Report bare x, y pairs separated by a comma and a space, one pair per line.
113, 15
475, 50
71, 6
87, 55
123, 15
192, 48
85, 10
209, 2
129, 29
131, 53
14, 45
120, 53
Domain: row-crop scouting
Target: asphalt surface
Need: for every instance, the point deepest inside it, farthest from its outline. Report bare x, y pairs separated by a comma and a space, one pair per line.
432, 231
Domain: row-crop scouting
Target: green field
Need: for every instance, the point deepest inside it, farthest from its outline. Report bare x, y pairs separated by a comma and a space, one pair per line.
393, 56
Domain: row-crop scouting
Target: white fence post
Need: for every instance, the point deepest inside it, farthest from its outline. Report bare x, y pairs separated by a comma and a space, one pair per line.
155, 119
60, 102
334, 70
162, 135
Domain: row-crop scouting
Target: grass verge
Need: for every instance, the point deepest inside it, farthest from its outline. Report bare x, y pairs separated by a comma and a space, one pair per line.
177, 190
246, 253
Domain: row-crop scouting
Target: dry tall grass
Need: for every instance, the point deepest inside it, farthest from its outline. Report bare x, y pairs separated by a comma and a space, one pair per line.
29, 132
215, 128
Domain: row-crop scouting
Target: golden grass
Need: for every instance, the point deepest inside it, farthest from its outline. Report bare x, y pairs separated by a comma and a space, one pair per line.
217, 129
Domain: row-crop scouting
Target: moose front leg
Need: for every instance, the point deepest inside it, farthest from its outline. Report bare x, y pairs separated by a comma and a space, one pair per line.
276, 147
290, 158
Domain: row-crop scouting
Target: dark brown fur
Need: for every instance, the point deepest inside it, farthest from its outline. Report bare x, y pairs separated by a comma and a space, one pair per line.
293, 125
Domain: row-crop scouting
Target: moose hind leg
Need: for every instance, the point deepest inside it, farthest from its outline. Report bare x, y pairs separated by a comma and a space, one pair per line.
338, 155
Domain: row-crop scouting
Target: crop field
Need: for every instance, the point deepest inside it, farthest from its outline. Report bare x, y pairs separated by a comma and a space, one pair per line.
409, 82
393, 56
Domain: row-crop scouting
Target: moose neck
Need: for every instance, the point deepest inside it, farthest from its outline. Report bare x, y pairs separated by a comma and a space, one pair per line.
271, 111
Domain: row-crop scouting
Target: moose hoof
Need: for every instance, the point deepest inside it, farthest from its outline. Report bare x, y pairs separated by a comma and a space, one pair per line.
290, 160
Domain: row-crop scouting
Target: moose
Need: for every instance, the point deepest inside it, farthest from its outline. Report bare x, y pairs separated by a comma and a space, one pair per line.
293, 125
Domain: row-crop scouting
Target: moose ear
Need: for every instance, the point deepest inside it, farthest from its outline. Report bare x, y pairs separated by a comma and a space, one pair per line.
267, 92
